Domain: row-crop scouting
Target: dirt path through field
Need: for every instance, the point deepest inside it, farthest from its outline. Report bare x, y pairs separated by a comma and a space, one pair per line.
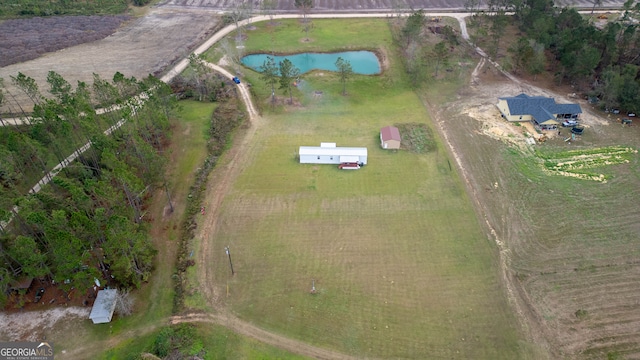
244, 328
227, 170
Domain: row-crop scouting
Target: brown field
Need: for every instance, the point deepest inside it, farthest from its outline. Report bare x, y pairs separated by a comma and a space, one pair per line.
27, 39
145, 45
571, 245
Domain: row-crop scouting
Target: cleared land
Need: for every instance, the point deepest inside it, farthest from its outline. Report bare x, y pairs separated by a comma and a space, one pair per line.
401, 265
146, 45
26, 39
571, 244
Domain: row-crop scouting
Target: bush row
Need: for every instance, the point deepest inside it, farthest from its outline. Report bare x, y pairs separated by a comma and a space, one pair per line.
224, 121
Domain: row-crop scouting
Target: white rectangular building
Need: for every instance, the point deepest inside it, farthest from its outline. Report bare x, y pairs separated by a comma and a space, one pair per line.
328, 153
104, 306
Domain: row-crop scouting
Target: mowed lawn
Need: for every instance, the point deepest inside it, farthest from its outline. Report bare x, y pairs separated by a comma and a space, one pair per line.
401, 265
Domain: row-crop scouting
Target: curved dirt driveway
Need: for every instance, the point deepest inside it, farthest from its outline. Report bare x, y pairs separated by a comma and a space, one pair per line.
247, 329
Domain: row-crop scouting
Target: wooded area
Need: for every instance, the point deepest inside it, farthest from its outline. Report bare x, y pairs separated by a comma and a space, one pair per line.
88, 221
599, 57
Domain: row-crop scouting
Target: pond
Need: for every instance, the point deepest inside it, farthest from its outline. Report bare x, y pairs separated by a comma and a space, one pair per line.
362, 62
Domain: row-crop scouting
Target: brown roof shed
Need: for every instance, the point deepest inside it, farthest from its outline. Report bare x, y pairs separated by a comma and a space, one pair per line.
390, 137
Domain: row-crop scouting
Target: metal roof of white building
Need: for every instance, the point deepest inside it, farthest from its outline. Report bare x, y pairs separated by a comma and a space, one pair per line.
333, 151
104, 305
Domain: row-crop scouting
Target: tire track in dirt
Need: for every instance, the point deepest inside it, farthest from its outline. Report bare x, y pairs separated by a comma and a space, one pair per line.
244, 328
220, 183
516, 296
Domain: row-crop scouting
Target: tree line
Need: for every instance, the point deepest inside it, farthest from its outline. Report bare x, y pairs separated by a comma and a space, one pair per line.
601, 59
87, 222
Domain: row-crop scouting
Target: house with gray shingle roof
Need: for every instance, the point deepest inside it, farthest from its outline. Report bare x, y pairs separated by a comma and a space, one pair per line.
543, 112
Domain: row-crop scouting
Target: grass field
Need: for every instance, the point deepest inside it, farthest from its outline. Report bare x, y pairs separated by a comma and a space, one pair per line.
402, 267
225, 345
573, 241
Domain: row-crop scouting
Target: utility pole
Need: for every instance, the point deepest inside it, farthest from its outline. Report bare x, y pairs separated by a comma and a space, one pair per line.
166, 190
226, 249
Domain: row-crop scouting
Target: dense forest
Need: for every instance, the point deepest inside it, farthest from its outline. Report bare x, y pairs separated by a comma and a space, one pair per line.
87, 222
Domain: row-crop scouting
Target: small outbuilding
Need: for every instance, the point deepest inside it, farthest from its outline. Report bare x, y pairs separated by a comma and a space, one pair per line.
390, 137
104, 306
329, 153
23, 283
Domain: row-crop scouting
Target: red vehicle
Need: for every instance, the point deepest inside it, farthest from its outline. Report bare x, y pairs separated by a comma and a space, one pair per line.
349, 166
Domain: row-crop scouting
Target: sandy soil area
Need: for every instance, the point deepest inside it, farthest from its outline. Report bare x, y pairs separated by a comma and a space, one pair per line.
30, 326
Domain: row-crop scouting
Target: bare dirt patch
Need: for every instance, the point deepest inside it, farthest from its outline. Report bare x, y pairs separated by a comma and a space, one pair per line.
146, 45
26, 39
566, 244
30, 326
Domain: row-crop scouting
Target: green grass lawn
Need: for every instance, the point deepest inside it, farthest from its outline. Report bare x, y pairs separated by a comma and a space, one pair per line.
207, 341
326, 35
187, 154
402, 267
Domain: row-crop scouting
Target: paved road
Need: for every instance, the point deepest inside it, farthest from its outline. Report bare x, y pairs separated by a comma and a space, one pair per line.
372, 5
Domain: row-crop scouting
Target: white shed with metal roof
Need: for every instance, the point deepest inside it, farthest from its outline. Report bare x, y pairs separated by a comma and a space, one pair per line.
332, 154
104, 306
